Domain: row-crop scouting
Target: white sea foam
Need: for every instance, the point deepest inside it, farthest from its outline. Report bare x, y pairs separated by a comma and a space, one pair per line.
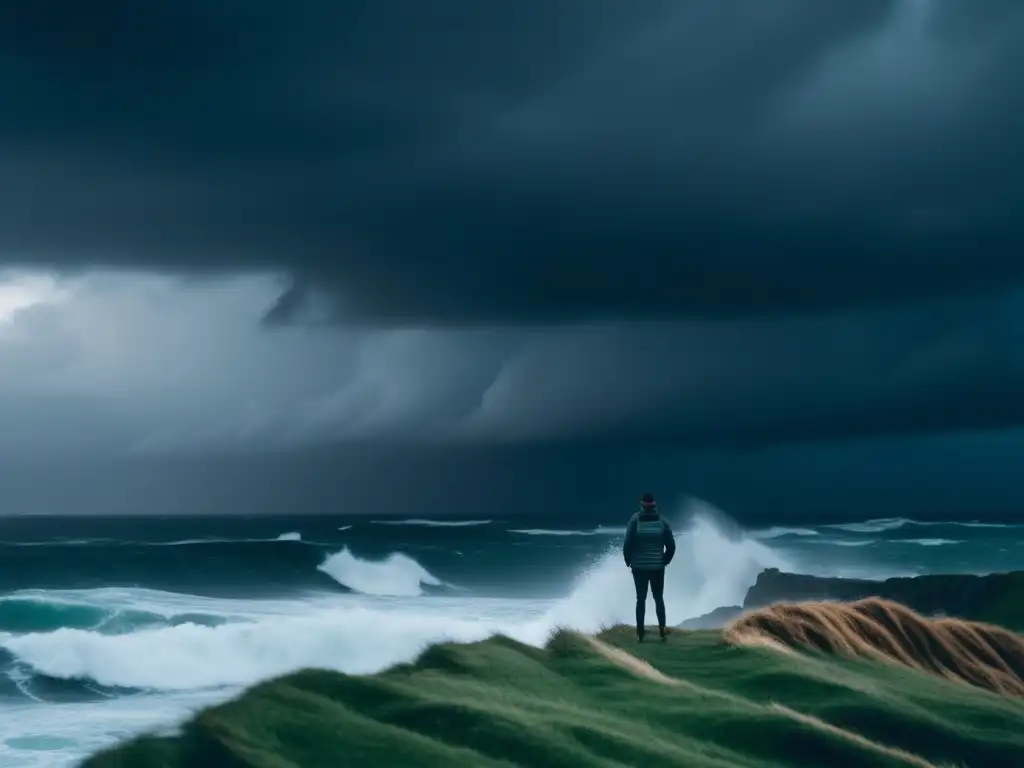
714, 566
349, 637
397, 575
60, 735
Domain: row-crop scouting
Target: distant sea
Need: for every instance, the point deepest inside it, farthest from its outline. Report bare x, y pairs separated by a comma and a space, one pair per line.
114, 626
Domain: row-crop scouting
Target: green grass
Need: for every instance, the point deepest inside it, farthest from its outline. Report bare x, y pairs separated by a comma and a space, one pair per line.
500, 703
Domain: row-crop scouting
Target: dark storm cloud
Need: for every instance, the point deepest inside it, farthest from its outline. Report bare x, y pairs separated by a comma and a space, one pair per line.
133, 387
933, 366
469, 162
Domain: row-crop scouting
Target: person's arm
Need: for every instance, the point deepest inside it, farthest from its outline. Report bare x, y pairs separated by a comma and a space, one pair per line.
627, 543
669, 540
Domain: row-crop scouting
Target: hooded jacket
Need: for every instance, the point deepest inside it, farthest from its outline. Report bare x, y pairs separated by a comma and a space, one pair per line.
649, 544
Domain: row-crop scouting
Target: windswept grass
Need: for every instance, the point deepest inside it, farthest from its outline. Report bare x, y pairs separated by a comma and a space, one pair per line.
694, 701
984, 655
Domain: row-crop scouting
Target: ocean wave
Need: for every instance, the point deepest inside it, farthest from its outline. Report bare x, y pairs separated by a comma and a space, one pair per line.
434, 523
202, 567
714, 568
879, 525
777, 532
353, 639
289, 536
830, 542
397, 575
929, 542
601, 530
59, 543
25, 614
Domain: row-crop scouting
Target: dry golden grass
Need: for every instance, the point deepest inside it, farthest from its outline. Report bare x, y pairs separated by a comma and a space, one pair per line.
628, 661
855, 738
983, 655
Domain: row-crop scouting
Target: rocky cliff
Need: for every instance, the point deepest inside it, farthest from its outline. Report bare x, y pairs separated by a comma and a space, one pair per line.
997, 598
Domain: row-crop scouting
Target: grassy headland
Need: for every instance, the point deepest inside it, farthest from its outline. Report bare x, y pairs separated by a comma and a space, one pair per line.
760, 695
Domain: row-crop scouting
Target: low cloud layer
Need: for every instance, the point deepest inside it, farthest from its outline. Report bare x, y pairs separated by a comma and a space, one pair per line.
156, 365
544, 162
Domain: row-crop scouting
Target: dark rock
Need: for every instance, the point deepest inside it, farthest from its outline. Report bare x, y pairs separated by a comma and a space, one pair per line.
717, 619
996, 598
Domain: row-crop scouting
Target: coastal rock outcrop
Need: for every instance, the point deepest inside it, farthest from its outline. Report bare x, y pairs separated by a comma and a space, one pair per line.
996, 598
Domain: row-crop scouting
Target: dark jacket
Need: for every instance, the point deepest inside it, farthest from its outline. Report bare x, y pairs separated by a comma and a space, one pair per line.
649, 543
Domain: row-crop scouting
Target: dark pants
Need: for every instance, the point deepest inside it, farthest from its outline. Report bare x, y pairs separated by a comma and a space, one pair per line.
656, 579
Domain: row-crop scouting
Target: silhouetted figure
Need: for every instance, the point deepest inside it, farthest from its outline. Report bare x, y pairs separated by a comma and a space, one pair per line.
648, 547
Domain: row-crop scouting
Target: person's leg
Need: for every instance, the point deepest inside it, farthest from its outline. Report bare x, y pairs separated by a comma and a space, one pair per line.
658, 590
640, 580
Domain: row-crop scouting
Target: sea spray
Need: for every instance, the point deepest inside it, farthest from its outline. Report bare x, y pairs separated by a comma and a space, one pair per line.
713, 567
715, 564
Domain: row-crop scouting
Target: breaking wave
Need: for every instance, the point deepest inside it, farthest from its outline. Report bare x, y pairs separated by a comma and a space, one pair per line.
714, 567
23, 614
352, 639
397, 575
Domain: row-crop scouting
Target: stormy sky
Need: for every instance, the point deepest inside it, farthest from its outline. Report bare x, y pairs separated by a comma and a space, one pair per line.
546, 254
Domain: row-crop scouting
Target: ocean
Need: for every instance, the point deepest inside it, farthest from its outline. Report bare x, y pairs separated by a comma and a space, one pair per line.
114, 626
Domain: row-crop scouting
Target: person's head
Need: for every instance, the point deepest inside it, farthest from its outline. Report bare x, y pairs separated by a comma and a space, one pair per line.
647, 503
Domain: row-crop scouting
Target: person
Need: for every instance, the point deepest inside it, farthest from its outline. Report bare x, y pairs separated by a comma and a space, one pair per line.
648, 547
